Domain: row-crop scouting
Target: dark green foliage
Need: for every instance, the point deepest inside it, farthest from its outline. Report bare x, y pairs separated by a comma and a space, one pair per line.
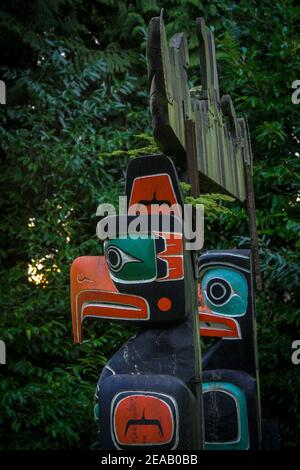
77, 110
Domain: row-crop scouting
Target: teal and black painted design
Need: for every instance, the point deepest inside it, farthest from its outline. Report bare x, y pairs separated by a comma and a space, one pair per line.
230, 431
225, 291
231, 387
131, 260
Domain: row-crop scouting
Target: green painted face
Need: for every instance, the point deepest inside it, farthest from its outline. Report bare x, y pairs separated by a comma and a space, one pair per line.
240, 419
131, 260
225, 291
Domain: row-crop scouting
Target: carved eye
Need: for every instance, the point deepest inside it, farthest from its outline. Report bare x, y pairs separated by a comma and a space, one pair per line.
218, 291
117, 258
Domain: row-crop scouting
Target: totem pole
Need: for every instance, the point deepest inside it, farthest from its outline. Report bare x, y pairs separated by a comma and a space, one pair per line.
152, 392
203, 134
149, 392
230, 366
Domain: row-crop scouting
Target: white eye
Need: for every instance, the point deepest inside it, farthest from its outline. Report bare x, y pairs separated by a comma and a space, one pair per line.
117, 258
218, 291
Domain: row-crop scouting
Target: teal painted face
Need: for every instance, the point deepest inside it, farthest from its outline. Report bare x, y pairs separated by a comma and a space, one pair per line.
131, 260
225, 291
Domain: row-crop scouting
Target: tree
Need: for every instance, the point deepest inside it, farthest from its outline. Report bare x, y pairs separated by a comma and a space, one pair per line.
77, 107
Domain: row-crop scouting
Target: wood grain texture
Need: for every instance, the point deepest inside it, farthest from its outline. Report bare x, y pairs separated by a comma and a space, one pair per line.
217, 130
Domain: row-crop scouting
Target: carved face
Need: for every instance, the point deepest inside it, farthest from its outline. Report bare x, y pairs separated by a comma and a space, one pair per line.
149, 276
143, 419
151, 266
230, 395
224, 299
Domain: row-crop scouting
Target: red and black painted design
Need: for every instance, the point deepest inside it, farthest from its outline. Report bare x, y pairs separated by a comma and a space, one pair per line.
140, 419
139, 411
153, 181
167, 297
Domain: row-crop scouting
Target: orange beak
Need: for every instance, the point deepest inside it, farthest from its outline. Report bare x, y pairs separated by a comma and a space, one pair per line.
93, 294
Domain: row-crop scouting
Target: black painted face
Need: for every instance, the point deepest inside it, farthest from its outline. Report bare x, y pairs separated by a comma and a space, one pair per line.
154, 266
228, 431
150, 266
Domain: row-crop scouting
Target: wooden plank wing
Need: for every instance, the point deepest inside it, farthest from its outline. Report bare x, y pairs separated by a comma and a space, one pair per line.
218, 140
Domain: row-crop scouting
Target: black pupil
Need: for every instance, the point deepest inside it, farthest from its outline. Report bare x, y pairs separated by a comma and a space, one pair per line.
113, 258
218, 291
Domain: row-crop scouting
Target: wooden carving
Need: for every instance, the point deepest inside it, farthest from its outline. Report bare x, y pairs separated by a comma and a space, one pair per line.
145, 395
151, 393
222, 141
232, 414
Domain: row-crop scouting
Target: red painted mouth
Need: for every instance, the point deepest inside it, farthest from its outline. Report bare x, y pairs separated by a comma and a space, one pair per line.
109, 305
218, 326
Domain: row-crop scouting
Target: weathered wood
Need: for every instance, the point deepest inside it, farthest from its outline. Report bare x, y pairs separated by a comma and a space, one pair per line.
191, 154
219, 153
170, 100
2, 92
192, 170
217, 131
246, 145
208, 64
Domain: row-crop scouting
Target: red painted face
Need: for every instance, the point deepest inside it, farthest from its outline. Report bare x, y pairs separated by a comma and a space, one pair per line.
143, 420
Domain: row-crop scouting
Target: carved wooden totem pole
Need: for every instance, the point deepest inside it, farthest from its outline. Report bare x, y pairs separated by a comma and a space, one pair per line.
230, 377
152, 392
148, 394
